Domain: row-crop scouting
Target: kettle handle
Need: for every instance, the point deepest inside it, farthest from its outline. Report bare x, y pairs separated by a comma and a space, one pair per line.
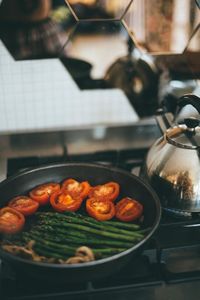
166, 119
188, 99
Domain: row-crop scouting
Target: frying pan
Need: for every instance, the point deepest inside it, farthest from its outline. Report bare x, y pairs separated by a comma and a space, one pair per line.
131, 186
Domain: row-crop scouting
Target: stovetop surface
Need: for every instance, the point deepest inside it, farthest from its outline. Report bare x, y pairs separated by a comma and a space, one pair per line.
168, 268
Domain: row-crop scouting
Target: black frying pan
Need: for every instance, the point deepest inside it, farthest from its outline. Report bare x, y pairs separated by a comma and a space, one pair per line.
131, 186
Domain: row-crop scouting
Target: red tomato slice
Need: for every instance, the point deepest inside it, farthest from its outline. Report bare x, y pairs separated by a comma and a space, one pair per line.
61, 202
76, 189
11, 220
108, 191
42, 193
128, 209
24, 205
99, 209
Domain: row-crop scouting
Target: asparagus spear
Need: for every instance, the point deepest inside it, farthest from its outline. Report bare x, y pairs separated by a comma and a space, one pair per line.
67, 250
83, 220
89, 222
104, 232
87, 239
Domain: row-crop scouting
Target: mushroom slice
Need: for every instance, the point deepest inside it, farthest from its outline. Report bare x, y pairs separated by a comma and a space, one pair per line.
84, 251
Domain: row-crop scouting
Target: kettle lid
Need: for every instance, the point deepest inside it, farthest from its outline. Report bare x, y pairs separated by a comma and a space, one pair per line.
185, 135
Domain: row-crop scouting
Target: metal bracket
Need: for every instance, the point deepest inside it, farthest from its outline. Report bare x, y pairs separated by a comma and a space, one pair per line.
3, 168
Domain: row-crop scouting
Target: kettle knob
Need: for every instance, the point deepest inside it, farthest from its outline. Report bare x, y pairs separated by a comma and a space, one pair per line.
191, 123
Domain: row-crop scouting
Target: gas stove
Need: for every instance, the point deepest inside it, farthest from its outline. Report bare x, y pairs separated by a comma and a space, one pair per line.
169, 266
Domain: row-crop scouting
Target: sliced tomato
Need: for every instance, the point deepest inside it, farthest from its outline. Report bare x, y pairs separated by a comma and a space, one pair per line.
75, 188
128, 210
108, 191
24, 205
42, 193
99, 209
61, 202
11, 220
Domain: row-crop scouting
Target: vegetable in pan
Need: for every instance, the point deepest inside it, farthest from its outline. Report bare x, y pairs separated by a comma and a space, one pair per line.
61, 201
57, 236
128, 210
11, 221
108, 191
42, 193
99, 209
75, 188
56, 231
24, 205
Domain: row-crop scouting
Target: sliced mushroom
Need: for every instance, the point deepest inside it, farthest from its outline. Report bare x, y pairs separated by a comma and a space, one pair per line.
25, 251
14, 249
84, 251
75, 260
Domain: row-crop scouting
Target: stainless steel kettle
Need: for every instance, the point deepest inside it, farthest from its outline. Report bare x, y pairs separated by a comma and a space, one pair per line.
172, 165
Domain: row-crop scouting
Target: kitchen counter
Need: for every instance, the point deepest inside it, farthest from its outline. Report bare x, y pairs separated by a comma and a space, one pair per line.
100, 138
141, 134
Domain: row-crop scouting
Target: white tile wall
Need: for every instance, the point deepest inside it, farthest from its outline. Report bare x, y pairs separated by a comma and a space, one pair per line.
41, 95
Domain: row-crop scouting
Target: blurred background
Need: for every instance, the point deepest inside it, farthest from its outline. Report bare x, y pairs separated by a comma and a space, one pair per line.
137, 46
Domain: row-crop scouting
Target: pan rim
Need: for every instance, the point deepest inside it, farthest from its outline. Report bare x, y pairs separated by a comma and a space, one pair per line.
46, 265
